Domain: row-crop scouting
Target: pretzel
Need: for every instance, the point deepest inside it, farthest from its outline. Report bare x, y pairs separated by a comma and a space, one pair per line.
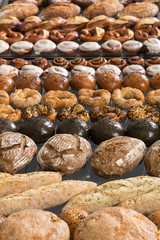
58, 36
59, 99
76, 111
146, 33
36, 110
29, 23
122, 35
134, 97
36, 35
4, 97
87, 97
93, 34
114, 114
153, 98
143, 112
26, 97
6, 111
11, 37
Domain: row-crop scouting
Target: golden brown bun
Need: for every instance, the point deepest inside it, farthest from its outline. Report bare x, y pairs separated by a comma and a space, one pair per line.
34, 224
140, 10
8, 22
19, 9
100, 21
75, 23
60, 9
105, 7
116, 224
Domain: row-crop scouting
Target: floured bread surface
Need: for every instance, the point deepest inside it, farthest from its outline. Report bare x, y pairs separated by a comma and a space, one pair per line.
117, 156
65, 153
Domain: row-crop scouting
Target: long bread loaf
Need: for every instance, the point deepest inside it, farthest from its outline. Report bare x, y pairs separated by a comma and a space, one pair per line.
17, 183
44, 197
145, 204
114, 192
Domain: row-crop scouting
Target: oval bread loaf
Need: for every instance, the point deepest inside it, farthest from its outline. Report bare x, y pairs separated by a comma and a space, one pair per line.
117, 156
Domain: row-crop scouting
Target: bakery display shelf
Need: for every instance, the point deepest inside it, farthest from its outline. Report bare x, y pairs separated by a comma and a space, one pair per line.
86, 173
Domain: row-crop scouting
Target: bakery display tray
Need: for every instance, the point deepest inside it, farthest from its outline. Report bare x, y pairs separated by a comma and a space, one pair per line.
86, 172
56, 53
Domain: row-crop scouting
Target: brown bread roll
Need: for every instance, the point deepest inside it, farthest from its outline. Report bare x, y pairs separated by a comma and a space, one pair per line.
116, 224
34, 224
17, 151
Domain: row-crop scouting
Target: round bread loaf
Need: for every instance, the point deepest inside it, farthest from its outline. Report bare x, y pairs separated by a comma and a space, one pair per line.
117, 156
65, 153
116, 223
155, 218
34, 224
152, 160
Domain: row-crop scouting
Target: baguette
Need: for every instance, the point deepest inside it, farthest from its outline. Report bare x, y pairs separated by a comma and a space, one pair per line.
112, 193
21, 182
145, 204
44, 197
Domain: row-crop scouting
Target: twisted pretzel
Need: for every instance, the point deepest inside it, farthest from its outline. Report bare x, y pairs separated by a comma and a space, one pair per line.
58, 36
153, 98
59, 99
100, 112
127, 97
93, 34
6, 111
36, 35
144, 34
93, 98
122, 35
26, 97
11, 37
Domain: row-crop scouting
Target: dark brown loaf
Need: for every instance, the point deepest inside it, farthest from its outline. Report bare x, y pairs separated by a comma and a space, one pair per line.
21, 182
65, 153
82, 80
60, 9
117, 156
56, 82
16, 151
109, 81
31, 81
152, 160
44, 197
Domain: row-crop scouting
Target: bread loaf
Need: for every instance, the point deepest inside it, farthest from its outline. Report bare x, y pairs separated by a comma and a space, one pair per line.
19, 9
44, 197
21, 182
113, 193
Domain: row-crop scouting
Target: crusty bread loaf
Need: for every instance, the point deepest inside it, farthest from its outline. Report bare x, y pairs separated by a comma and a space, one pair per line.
114, 192
44, 197
146, 203
19, 9
21, 182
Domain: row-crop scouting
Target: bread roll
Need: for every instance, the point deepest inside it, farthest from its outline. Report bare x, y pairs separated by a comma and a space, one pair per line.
44, 197
114, 192
116, 223
19, 9
21, 182
34, 224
